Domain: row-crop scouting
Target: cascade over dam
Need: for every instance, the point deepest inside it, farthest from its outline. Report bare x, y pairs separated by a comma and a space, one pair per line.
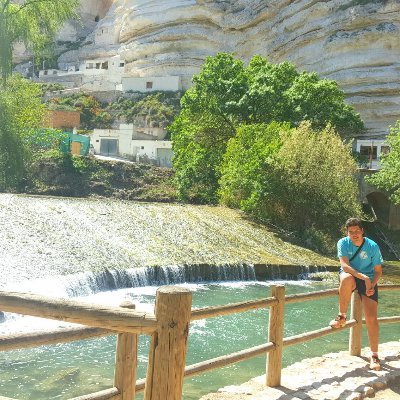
102, 239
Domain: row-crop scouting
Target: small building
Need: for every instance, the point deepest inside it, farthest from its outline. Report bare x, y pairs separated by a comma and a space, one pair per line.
371, 151
127, 143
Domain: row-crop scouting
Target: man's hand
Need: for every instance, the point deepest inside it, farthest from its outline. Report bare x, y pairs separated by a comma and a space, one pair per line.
370, 291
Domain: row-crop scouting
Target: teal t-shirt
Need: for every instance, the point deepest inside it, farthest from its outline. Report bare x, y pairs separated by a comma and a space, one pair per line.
366, 260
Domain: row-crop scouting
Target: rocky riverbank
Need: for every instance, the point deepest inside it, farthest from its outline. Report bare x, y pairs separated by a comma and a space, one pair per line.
334, 376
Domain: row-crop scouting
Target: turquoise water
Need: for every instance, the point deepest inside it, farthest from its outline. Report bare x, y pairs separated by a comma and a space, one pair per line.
68, 370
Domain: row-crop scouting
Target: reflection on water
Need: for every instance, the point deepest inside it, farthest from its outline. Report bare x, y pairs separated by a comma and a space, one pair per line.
67, 370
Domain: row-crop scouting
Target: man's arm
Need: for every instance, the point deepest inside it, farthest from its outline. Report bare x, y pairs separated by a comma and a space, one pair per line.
345, 264
377, 275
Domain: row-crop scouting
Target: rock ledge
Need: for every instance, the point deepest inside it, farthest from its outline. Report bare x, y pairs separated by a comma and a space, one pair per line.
334, 376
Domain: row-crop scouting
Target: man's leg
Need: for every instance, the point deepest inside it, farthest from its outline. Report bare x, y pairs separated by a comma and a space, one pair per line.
346, 287
370, 308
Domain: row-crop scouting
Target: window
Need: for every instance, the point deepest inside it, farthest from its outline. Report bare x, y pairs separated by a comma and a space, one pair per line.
369, 151
104, 65
149, 85
121, 64
96, 18
142, 147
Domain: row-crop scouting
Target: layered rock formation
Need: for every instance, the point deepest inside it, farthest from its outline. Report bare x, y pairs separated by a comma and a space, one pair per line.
355, 42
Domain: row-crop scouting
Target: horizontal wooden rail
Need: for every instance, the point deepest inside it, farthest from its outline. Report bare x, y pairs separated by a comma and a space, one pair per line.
295, 298
113, 318
305, 337
107, 394
232, 358
6, 398
210, 312
387, 320
389, 287
59, 335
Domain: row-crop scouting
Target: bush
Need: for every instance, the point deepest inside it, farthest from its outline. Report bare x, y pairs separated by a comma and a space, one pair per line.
315, 180
300, 179
388, 177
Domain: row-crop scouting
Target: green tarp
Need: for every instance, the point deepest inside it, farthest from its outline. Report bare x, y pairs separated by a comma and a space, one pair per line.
66, 145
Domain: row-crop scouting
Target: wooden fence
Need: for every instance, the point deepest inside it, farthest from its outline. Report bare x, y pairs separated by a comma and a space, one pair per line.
169, 330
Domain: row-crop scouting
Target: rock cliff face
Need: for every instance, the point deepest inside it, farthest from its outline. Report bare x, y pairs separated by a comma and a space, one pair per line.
355, 42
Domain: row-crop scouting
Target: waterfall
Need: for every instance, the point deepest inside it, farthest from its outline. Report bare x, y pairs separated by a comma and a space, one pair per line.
88, 283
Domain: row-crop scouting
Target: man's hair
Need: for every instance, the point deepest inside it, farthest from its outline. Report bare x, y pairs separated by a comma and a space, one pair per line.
353, 222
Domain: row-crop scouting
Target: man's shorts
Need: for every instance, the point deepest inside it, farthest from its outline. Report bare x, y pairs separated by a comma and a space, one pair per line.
360, 286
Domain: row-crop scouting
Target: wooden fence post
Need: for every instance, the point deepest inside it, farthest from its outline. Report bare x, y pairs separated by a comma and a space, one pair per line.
165, 371
356, 330
275, 335
126, 361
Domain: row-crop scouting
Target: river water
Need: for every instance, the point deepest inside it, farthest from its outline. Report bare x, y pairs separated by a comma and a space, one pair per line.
68, 370
107, 251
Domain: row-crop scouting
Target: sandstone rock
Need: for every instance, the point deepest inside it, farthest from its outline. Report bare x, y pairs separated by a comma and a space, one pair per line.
355, 43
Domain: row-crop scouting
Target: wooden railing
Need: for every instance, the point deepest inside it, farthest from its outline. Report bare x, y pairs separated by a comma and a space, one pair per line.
169, 328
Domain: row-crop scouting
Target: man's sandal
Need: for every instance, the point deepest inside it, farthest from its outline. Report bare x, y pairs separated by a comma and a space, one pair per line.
375, 363
338, 322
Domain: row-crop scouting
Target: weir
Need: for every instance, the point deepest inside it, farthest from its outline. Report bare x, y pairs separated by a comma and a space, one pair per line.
88, 283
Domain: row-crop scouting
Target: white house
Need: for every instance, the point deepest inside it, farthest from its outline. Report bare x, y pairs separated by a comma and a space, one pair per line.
151, 83
371, 150
126, 142
95, 74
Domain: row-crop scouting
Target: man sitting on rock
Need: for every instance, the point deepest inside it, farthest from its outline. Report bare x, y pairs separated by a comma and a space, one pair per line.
361, 269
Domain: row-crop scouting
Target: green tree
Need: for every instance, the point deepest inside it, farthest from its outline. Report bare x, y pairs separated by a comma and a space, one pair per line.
315, 180
196, 159
210, 112
33, 22
21, 113
388, 177
230, 94
298, 178
246, 172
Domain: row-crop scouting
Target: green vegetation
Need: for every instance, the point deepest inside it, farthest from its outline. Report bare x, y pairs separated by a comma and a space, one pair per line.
388, 177
51, 87
33, 22
21, 113
298, 178
227, 94
93, 113
55, 173
159, 108
240, 139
